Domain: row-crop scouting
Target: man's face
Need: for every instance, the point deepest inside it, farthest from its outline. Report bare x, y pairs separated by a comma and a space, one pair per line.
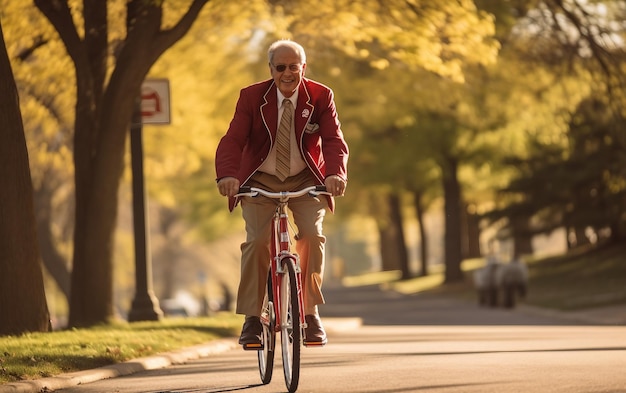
288, 79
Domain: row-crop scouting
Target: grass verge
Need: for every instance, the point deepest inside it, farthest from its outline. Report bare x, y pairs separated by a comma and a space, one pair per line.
583, 278
38, 355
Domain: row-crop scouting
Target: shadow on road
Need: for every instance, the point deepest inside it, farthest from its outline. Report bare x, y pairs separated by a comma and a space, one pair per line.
217, 390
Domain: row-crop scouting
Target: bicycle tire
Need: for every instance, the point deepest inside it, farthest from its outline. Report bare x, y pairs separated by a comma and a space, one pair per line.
268, 338
290, 331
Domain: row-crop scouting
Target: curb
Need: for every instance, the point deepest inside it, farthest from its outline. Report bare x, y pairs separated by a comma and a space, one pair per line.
121, 369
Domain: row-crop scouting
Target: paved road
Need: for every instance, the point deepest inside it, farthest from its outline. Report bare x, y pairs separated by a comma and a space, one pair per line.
415, 359
415, 344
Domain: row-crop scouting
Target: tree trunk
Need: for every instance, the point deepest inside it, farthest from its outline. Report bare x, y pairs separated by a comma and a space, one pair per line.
395, 207
419, 214
522, 239
452, 212
569, 237
393, 251
91, 300
581, 237
388, 252
23, 305
56, 265
470, 233
618, 231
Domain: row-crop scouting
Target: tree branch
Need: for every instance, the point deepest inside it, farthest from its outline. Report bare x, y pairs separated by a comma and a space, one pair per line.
59, 14
600, 54
27, 52
169, 37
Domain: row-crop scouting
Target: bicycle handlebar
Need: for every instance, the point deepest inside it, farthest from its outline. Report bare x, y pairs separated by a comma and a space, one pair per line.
282, 195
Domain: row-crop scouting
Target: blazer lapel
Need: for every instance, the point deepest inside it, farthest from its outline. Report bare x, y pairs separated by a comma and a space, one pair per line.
303, 111
269, 112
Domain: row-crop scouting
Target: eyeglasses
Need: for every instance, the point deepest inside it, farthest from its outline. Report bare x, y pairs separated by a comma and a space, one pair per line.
292, 67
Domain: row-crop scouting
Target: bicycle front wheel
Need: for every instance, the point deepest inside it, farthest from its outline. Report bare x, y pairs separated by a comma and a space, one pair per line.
268, 338
290, 332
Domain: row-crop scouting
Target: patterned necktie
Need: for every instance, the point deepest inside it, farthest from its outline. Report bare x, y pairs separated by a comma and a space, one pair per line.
283, 155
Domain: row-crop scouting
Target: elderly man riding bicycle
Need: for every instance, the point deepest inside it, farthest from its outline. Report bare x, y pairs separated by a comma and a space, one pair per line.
285, 135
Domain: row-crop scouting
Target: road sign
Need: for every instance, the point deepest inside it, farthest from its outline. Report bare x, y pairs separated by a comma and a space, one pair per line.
155, 101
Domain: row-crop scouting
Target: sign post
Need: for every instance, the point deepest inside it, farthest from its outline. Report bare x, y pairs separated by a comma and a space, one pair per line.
151, 107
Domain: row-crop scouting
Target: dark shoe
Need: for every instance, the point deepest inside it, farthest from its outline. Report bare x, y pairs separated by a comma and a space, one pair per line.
251, 333
314, 333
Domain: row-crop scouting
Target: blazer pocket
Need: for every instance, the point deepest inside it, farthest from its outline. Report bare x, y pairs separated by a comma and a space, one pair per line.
312, 128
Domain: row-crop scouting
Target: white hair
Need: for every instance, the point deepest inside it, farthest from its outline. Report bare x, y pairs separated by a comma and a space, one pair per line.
286, 43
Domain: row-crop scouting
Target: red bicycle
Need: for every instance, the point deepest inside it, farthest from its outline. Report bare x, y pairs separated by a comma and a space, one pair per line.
283, 306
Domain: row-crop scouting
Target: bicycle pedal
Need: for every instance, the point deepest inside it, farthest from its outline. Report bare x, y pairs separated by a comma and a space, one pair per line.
315, 343
252, 347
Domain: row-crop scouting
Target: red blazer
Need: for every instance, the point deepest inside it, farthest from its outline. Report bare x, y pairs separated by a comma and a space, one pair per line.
252, 132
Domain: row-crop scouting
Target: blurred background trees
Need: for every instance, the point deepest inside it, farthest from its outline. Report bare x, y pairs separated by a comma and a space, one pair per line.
467, 121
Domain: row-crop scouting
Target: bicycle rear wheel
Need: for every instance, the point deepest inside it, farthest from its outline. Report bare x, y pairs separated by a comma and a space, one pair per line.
268, 338
290, 332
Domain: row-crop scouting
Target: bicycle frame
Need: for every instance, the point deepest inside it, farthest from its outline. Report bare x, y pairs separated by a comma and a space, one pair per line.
280, 243
280, 253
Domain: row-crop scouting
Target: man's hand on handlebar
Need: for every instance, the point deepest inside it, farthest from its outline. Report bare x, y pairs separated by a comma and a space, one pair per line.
335, 185
228, 186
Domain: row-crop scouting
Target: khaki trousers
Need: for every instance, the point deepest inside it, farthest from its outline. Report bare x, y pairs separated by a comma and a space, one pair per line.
307, 214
